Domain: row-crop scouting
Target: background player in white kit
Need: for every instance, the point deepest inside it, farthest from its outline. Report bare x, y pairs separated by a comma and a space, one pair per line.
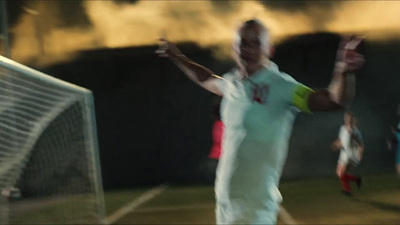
258, 109
351, 146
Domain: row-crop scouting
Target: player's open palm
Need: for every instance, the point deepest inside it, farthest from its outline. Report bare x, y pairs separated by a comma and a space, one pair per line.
348, 55
167, 49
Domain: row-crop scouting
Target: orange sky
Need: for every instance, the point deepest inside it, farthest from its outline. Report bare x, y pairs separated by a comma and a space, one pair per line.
40, 38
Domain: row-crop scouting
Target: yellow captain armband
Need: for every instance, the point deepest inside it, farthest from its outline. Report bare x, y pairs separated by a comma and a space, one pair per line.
300, 97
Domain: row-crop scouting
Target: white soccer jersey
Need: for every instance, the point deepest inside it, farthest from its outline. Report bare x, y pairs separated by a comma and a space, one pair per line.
349, 141
258, 114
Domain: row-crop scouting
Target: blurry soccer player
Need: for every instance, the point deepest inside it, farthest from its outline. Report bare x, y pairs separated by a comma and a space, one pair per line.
258, 108
351, 146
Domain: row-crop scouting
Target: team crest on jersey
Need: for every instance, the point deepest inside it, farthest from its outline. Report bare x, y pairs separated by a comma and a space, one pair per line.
260, 93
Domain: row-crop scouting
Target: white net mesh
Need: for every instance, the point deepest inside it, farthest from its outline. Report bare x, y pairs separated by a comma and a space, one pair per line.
49, 165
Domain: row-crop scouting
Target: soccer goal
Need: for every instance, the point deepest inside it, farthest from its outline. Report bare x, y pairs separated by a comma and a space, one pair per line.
49, 160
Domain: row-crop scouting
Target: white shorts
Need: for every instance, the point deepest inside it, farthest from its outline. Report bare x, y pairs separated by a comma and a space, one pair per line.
345, 159
241, 211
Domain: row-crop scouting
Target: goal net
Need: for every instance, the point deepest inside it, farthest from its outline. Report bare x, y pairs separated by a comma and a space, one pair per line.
49, 162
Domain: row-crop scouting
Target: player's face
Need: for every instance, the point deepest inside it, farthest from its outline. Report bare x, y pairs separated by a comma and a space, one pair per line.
349, 120
251, 45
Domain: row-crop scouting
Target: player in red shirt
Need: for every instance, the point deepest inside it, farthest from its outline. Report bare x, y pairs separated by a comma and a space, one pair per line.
216, 148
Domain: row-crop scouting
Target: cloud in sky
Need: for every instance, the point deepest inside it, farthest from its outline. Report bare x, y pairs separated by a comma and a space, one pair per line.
42, 39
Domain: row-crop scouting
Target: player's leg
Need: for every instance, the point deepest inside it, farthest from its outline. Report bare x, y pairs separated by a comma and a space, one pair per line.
350, 172
342, 164
340, 168
341, 171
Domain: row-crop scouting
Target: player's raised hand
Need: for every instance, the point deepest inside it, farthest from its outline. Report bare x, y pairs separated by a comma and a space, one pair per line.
166, 48
347, 53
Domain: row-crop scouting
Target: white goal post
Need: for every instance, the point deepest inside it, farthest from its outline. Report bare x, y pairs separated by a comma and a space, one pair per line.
49, 157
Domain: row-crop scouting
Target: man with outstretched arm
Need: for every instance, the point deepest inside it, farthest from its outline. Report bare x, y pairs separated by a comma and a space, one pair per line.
258, 109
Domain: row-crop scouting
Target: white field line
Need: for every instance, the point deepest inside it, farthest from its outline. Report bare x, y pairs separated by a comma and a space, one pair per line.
283, 213
286, 217
128, 208
173, 208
